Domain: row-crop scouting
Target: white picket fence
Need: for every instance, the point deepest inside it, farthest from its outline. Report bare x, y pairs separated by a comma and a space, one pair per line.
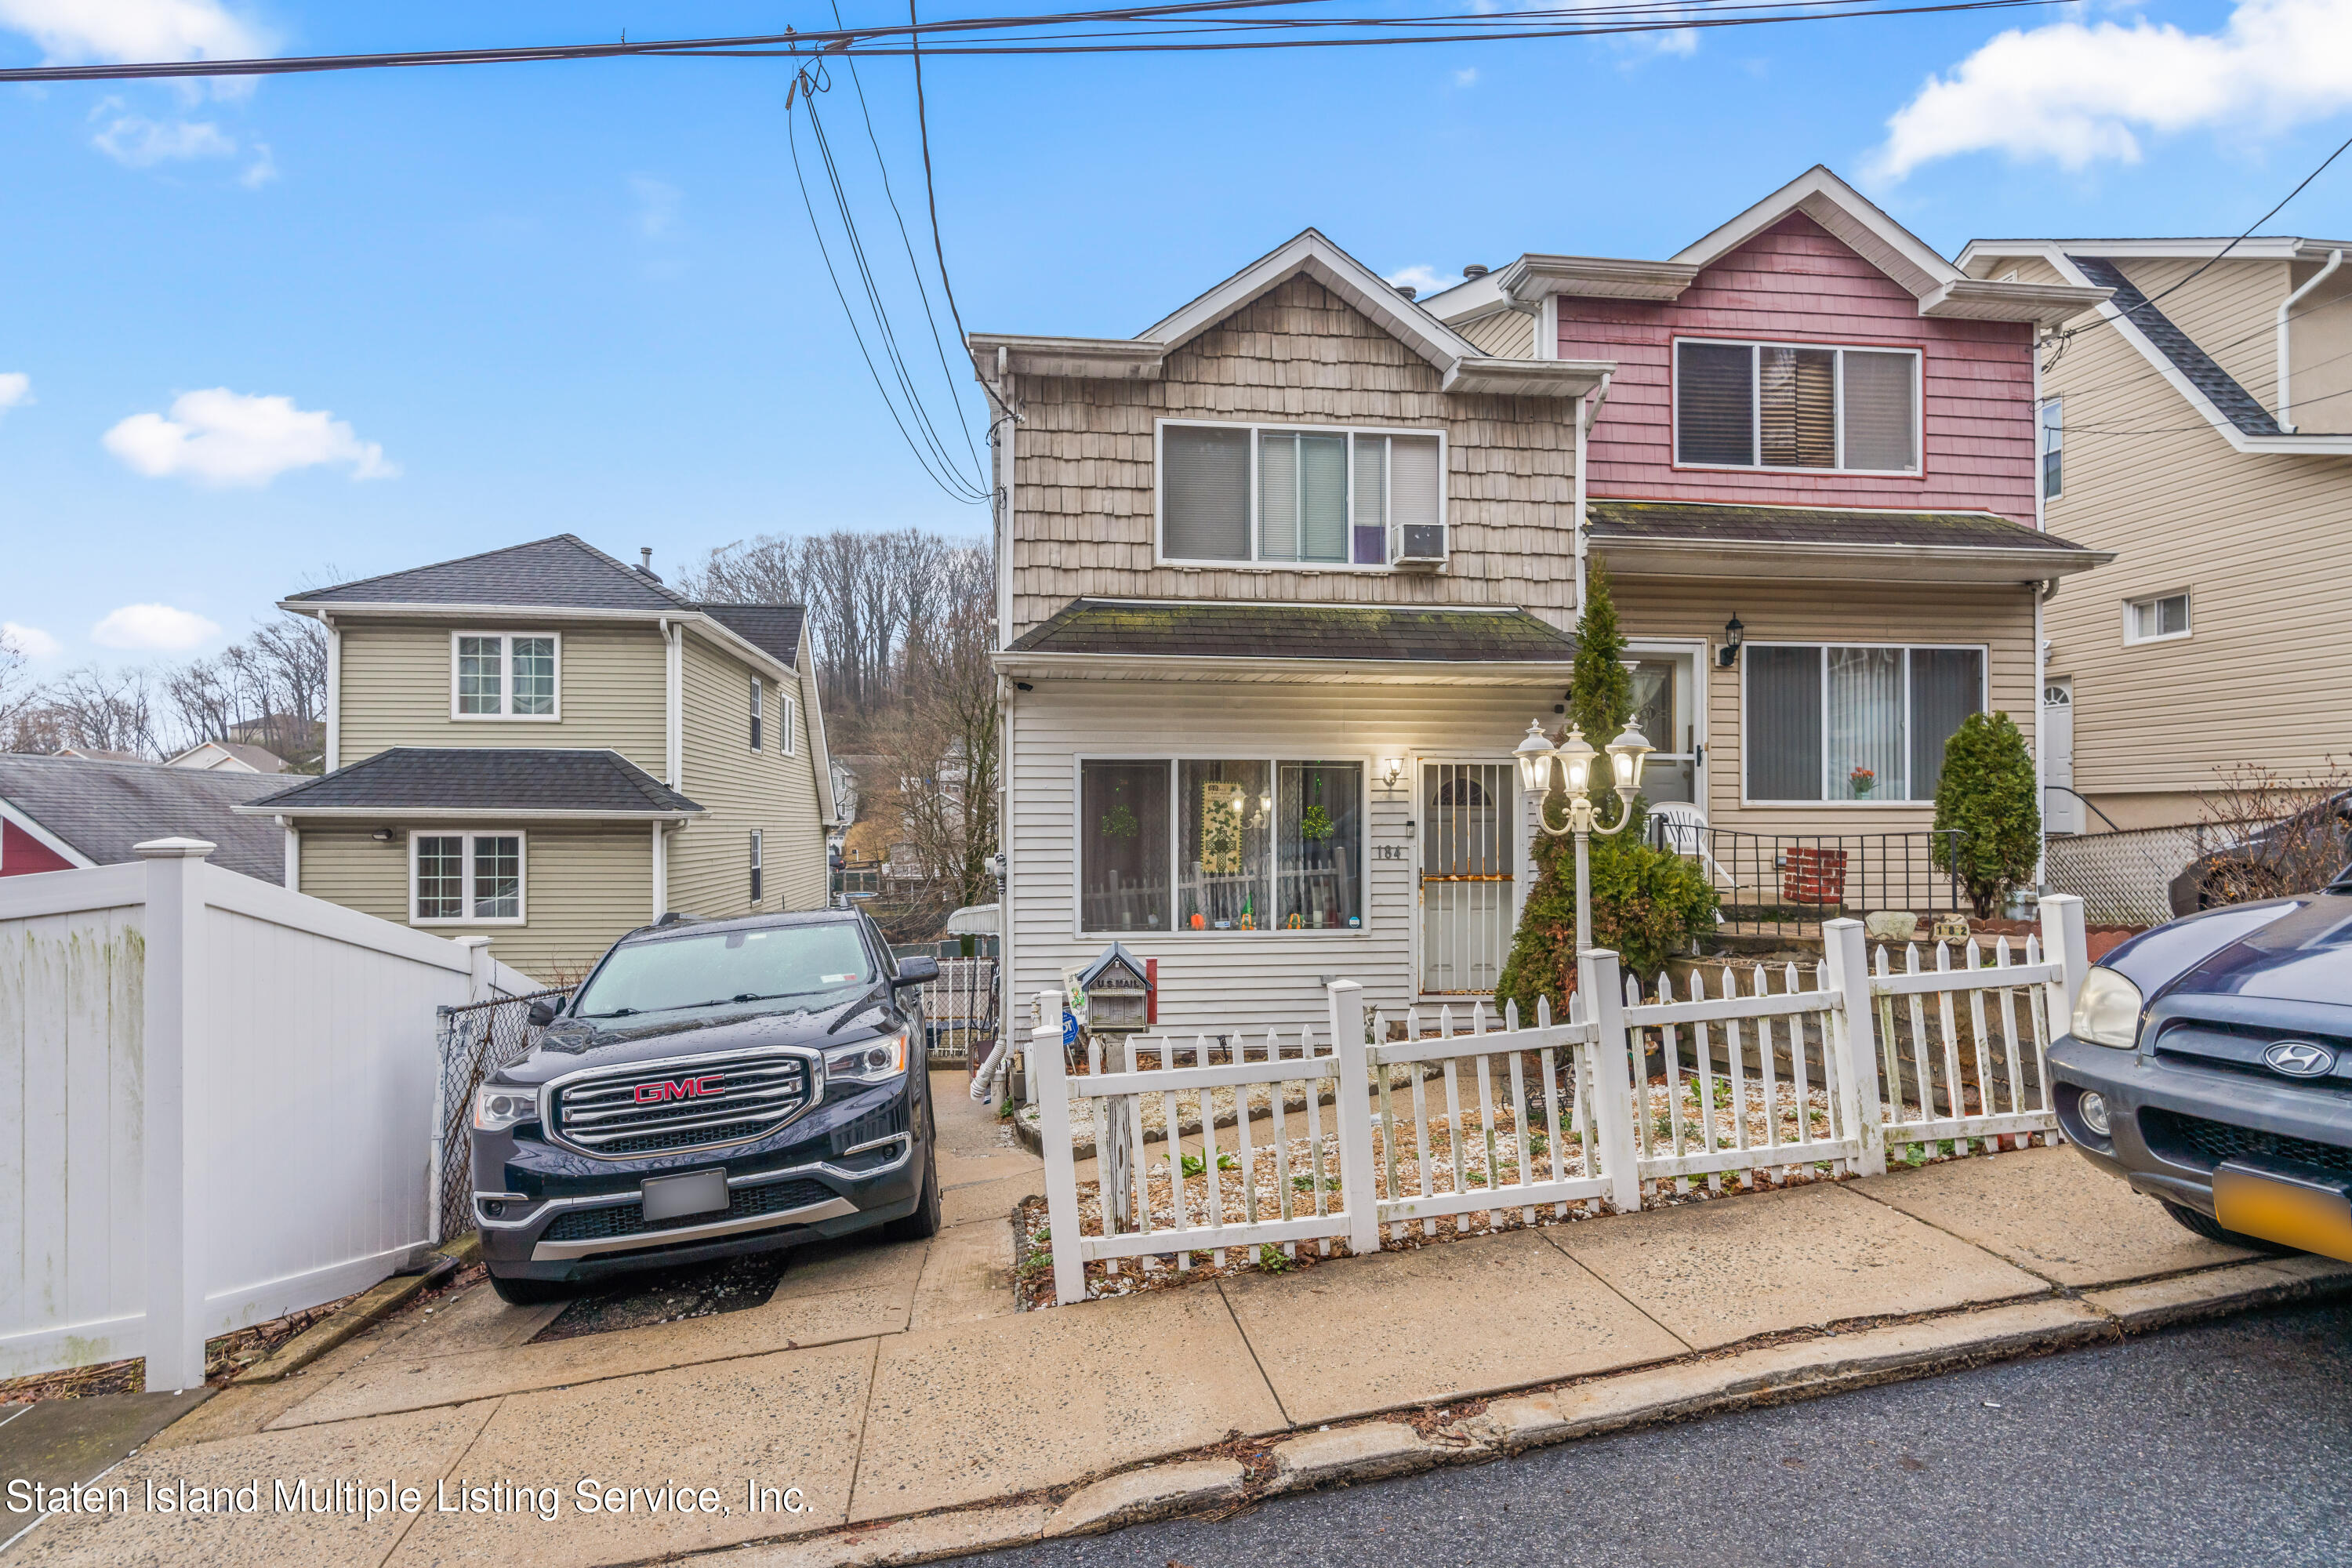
1384, 1122
220, 1108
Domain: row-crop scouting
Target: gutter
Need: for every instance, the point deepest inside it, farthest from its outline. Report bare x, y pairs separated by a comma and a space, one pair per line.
2286, 309
1178, 667
469, 813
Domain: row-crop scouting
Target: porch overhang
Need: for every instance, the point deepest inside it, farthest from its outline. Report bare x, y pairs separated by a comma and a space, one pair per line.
1677, 539
482, 784
1198, 639
1248, 671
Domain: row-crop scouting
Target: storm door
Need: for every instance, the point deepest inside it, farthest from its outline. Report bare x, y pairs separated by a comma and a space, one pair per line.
1469, 875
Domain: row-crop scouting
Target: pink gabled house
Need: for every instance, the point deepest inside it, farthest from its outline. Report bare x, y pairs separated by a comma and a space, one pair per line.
1284, 578
1816, 428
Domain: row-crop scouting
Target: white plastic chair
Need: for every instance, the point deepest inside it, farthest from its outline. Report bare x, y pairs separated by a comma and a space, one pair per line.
1684, 833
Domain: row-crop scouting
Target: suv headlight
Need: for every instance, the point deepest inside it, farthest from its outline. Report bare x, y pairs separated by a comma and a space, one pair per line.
869, 1061
2107, 1012
496, 1108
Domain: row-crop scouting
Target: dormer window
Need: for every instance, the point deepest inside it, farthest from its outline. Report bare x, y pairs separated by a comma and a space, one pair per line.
504, 675
1796, 406
1308, 496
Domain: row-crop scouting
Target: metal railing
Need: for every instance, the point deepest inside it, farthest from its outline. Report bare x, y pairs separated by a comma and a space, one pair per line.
1784, 883
961, 1010
474, 1042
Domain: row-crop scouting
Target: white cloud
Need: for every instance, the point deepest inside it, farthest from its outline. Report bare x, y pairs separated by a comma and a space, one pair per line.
153, 628
30, 641
2076, 94
1467, 76
261, 171
136, 141
222, 438
1421, 280
657, 204
15, 390
71, 30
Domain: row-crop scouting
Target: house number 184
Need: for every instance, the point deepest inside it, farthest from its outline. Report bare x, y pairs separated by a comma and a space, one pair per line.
1388, 852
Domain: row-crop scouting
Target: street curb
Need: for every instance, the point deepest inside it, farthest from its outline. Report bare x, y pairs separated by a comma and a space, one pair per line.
1381, 1446
365, 1311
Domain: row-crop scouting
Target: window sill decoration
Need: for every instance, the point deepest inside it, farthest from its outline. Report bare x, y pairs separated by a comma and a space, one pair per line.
1864, 781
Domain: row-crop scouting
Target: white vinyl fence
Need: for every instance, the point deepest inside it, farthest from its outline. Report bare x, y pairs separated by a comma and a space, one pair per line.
220, 1103
1374, 1124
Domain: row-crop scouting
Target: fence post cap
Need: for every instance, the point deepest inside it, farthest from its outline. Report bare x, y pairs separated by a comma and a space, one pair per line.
173, 848
471, 940
1344, 986
1842, 922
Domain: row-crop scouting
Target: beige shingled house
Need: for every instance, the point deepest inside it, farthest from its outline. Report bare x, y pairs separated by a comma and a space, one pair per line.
2199, 424
549, 748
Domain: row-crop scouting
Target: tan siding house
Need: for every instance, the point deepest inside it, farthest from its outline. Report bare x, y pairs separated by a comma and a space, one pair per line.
1285, 579
548, 748
2215, 638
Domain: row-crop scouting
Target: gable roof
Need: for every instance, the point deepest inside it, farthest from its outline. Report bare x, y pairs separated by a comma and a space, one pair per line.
1941, 289
564, 572
485, 781
100, 809
234, 755
2232, 400
1462, 366
773, 629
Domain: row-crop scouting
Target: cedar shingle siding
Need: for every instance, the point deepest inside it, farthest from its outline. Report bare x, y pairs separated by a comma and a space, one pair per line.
1084, 479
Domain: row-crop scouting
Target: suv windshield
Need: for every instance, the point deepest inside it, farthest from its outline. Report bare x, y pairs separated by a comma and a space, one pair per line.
728, 966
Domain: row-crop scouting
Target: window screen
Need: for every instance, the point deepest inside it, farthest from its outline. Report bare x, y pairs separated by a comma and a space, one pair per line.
1302, 482
1880, 410
1204, 492
1784, 723
1714, 412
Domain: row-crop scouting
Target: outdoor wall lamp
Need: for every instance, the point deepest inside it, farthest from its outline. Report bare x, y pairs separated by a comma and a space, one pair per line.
1391, 770
1728, 654
381, 836
1628, 755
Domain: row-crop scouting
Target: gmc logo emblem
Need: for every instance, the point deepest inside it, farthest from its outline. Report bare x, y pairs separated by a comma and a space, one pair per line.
679, 1089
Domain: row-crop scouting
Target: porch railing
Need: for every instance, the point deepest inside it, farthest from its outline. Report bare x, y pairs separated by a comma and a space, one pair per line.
1782, 883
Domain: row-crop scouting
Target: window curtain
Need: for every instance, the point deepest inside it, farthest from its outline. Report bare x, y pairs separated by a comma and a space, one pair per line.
1715, 410
1123, 845
1368, 526
1880, 404
1864, 727
1947, 686
1784, 723
1204, 493
1319, 840
1796, 407
1222, 834
1414, 486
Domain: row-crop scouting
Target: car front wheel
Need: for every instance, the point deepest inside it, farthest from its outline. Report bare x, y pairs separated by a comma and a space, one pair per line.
924, 1222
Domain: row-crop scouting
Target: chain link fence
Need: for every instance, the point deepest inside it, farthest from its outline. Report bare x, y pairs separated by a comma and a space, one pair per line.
474, 1042
960, 1011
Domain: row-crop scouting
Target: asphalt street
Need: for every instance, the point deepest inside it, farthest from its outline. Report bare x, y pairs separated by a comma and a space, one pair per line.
2225, 1444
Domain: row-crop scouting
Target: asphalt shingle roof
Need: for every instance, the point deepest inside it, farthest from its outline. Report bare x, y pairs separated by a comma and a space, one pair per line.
562, 573
103, 808
422, 780
1663, 522
2239, 407
774, 629
1297, 631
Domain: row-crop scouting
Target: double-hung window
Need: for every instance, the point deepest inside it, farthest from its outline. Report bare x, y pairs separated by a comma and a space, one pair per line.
755, 866
1306, 496
755, 712
1796, 406
1245, 843
1853, 723
504, 675
464, 878
784, 705
2053, 448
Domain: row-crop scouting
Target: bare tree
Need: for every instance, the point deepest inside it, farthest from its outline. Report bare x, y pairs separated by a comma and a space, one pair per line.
104, 710
2275, 834
942, 743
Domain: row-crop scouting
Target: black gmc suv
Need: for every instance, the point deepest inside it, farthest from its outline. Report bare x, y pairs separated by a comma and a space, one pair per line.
717, 1087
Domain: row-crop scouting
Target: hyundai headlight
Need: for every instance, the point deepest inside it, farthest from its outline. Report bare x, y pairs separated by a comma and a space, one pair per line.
869, 1061
497, 1108
2107, 1012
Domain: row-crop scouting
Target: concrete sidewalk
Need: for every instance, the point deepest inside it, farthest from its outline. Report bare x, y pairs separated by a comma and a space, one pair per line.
891, 1382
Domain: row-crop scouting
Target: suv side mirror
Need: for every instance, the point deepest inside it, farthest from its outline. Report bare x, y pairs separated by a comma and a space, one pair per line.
543, 1014
916, 972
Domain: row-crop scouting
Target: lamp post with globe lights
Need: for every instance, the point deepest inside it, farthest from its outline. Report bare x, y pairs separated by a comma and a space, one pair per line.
1574, 757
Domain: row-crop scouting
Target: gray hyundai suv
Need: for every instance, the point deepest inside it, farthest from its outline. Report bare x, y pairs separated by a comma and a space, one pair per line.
716, 1087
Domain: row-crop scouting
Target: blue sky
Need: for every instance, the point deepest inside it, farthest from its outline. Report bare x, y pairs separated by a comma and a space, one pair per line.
498, 302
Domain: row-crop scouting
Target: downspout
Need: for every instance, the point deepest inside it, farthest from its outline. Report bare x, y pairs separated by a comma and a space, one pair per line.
335, 749
1588, 409
674, 704
2041, 592
2286, 308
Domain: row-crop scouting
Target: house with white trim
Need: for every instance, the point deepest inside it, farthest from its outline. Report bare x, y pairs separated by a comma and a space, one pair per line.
2198, 421
1283, 578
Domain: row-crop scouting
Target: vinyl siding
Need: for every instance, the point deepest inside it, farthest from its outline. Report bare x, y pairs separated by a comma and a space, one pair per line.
2320, 356
1506, 334
581, 890
1084, 502
1227, 980
2256, 540
1794, 282
2000, 618
710, 859
397, 691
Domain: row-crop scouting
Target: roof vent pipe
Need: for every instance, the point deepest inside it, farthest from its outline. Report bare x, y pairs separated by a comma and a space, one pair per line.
2286, 310
1407, 289
1474, 271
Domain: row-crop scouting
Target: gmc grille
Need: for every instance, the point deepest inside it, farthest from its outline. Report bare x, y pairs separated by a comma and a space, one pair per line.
621, 1111
629, 1219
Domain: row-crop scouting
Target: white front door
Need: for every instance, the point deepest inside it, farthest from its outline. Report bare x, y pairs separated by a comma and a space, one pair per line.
2061, 810
1668, 706
1469, 875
